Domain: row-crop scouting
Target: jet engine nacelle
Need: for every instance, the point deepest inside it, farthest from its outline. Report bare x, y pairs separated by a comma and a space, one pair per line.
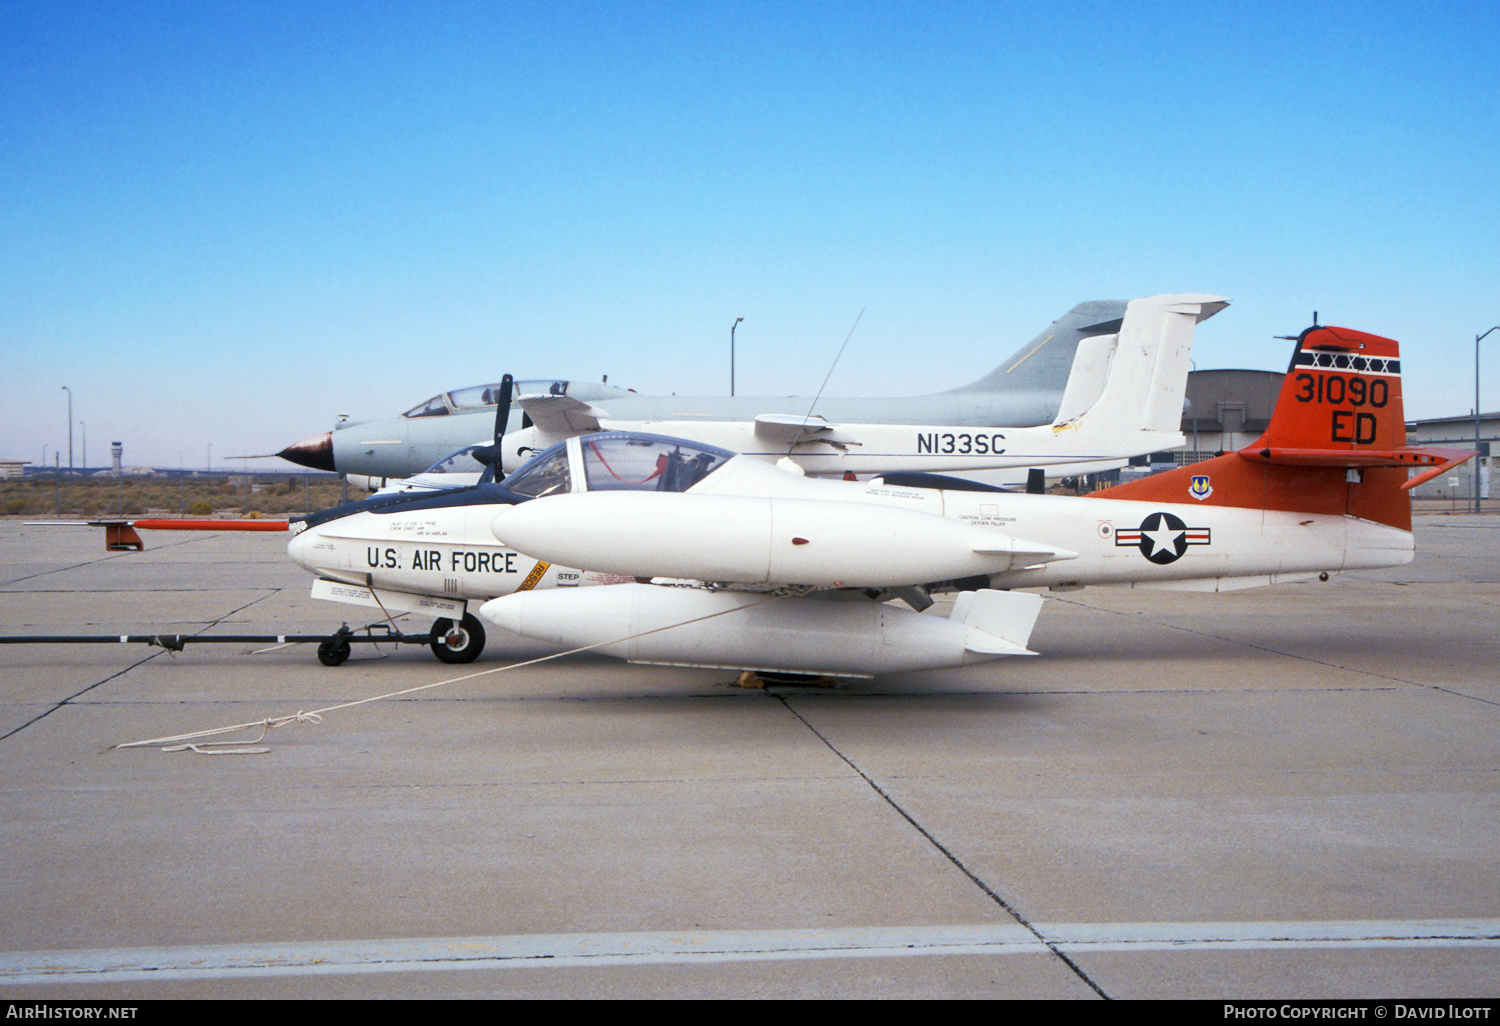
749, 540
739, 630
366, 483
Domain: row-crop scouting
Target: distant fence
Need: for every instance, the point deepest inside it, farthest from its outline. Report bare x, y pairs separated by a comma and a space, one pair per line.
97, 493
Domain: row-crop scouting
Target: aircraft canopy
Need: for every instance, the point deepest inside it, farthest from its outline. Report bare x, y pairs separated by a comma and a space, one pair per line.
477, 397
617, 461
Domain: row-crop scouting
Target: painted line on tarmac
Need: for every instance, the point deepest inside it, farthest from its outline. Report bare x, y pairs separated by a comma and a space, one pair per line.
559, 951
1356, 933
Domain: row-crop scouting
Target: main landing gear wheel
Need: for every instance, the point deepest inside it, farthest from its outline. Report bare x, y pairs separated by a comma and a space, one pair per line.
458, 642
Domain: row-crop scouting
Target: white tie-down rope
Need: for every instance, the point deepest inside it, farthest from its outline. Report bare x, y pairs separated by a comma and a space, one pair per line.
183, 742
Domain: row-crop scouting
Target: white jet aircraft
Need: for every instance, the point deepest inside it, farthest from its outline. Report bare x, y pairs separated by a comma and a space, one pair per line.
755, 566
1102, 384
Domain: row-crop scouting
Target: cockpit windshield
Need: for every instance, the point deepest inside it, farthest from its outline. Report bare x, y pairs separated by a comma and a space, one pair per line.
617, 461
547, 474
434, 407
476, 397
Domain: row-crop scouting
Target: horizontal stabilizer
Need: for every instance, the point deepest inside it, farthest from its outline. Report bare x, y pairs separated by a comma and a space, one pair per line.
560, 414
997, 622
786, 428
1434, 459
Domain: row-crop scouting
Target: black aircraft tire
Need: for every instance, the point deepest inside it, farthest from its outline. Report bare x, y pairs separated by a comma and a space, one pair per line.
333, 652
469, 645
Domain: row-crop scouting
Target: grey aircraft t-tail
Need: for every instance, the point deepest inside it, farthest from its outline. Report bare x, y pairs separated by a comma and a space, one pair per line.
1103, 382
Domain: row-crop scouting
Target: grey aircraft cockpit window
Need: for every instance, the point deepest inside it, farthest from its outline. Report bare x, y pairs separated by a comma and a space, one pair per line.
477, 396
434, 407
545, 475
646, 463
474, 396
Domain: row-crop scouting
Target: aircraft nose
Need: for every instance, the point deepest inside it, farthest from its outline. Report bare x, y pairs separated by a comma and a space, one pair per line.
315, 453
298, 550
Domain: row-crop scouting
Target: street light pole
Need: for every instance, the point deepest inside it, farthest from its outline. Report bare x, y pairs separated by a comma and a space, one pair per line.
1478, 460
68, 390
733, 326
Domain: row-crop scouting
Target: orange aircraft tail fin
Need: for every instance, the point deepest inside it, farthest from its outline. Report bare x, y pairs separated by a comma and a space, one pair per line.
1336, 442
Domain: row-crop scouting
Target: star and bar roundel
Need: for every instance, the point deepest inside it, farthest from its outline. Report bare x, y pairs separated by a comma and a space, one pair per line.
1162, 537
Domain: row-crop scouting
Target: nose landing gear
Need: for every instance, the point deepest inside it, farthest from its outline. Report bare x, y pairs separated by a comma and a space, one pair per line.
458, 642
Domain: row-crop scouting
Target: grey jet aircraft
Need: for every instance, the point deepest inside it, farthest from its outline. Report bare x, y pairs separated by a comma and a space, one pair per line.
1049, 381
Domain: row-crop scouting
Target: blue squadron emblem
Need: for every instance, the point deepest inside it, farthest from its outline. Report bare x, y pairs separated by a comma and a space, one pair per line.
1200, 488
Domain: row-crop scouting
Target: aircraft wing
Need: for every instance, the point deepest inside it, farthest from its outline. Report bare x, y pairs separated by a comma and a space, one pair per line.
560, 414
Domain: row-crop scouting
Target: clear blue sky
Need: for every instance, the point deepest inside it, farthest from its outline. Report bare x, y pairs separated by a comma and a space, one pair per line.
222, 224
